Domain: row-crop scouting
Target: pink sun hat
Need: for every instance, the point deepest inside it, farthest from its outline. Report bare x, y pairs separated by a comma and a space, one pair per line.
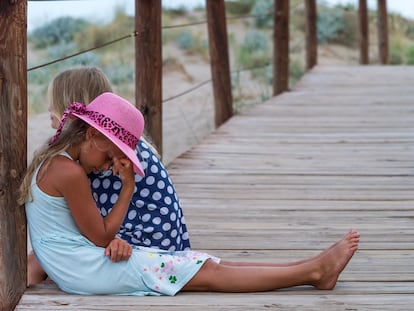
116, 118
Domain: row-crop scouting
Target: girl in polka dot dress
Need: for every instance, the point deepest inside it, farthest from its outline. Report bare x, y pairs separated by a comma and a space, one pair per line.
155, 217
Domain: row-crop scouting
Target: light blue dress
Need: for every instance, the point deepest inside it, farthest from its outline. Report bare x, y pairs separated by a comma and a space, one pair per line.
77, 266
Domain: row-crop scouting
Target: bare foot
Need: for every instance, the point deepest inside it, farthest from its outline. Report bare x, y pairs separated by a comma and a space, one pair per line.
325, 251
320, 255
348, 234
334, 260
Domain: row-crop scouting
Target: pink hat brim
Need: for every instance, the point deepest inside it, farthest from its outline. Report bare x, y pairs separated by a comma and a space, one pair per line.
128, 151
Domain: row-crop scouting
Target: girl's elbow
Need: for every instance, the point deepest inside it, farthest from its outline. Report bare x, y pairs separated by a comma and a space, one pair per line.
102, 241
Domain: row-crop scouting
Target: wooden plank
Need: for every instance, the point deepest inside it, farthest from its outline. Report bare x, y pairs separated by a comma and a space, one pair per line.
383, 48
13, 128
281, 46
219, 59
311, 34
363, 32
148, 67
299, 299
283, 180
343, 288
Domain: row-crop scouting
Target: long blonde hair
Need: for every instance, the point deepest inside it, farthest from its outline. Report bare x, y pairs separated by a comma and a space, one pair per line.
79, 84
72, 135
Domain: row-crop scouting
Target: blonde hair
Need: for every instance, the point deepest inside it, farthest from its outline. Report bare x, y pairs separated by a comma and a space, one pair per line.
72, 135
81, 84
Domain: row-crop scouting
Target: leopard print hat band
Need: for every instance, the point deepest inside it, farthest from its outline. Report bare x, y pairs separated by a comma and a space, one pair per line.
100, 120
114, 117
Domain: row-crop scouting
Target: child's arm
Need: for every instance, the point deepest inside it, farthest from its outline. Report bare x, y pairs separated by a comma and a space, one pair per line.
118, 250
71, 181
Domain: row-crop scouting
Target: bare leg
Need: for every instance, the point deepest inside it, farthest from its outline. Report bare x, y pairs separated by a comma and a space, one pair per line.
35, 273
287, 264
321, 272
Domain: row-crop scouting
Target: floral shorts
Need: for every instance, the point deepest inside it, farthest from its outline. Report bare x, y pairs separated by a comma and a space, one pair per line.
168, 272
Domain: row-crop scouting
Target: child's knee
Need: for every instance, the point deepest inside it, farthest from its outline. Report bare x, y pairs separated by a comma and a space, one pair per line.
204, 278
35, 273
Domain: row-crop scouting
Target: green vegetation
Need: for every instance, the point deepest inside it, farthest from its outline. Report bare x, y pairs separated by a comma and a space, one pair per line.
59, 31
250, 40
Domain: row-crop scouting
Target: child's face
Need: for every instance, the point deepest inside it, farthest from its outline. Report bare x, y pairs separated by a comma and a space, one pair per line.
54, 116
98, 154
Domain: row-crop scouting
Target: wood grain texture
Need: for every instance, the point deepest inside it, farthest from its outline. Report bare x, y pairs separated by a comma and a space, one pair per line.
284, 180
13, 128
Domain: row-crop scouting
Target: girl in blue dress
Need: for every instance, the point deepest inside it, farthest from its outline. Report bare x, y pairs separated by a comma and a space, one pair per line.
69, 235
155, 217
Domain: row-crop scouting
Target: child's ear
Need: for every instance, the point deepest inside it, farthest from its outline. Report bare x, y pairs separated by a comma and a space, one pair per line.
91, 132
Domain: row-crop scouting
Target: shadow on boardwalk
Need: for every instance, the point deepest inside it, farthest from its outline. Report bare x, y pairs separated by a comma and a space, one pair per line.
288, 177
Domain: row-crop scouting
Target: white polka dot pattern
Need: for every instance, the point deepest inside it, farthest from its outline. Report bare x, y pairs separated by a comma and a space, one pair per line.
155, 217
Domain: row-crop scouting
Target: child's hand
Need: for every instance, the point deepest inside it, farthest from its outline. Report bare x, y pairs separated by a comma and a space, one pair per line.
118, 250
124, 168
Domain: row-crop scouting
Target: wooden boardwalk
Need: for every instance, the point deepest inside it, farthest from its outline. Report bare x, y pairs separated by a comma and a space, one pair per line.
288, 177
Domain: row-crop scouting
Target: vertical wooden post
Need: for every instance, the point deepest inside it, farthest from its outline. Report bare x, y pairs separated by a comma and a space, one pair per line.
281, 47
311, 34
13, 154
383, 32
148, 71
363, 32
219, 57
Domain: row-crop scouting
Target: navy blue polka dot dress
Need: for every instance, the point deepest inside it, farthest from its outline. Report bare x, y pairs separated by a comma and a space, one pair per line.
154, 218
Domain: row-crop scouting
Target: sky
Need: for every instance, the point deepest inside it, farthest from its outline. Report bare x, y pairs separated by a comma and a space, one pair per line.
40, 12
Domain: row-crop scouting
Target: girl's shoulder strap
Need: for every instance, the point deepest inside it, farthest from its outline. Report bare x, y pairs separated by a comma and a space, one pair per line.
65, 154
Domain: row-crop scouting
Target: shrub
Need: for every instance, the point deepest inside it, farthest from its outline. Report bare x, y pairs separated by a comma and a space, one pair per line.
409, 55
348, 35
59, 30
254, 51
330, 24
193, 44
120, 73
96, 35
62, 50
185, 40
397, 48
240, 7
296, 71
263, 9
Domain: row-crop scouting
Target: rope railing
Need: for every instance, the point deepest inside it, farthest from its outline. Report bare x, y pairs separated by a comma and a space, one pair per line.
136, 33
239, 96
209, 80
233, 72
251, 89
133, 34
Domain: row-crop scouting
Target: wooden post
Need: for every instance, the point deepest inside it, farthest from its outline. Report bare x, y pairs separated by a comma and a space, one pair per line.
219, 57
281, 47
311, 34
148, 71
363, 32
383, 32
13, 154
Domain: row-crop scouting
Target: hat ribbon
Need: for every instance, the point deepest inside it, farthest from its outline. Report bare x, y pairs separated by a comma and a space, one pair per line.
99, 119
